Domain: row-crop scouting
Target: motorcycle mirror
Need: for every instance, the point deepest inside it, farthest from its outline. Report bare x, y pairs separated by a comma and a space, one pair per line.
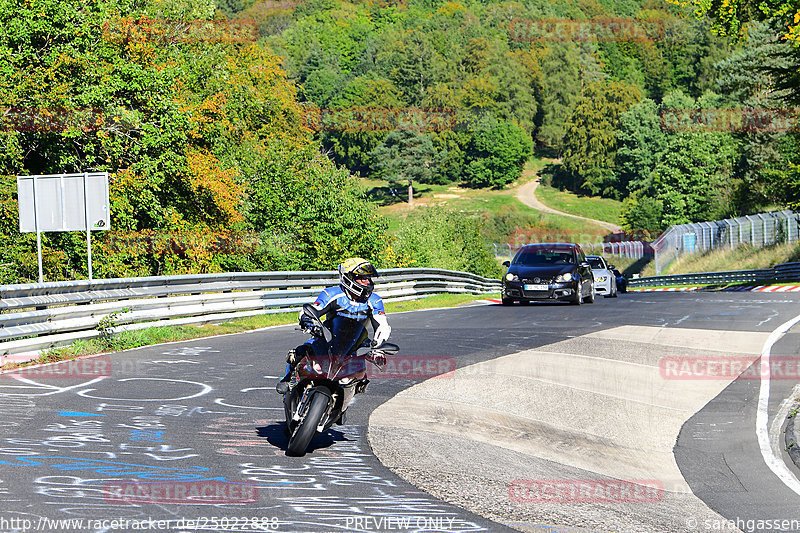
310, 312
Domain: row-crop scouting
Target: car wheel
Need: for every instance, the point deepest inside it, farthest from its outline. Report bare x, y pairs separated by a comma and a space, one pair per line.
507, 301
590, 298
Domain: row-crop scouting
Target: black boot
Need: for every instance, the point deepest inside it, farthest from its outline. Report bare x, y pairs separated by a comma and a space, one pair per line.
284, 384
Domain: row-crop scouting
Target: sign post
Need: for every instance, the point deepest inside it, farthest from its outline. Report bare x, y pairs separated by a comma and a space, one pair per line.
64, 202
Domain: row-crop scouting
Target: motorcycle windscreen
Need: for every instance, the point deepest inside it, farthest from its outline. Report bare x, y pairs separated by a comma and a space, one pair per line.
347, 334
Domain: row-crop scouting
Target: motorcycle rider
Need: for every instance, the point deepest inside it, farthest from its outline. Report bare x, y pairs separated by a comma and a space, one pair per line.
353, 298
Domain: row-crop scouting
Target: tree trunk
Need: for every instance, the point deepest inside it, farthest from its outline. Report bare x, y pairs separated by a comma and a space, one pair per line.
410, 193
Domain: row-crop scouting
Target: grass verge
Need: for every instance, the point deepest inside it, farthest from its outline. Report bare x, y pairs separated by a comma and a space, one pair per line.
604, 209
127, 340
487, 203
743, 257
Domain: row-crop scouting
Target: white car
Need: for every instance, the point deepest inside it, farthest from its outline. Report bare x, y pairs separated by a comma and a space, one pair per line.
605, 282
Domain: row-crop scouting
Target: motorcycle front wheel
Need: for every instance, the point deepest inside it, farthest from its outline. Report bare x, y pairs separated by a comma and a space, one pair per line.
307, 427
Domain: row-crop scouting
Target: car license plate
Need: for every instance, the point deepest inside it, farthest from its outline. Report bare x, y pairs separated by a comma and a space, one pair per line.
536, 287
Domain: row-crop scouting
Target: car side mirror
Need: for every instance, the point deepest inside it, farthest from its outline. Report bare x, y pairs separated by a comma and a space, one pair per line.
506, 264
611, 267
586, 264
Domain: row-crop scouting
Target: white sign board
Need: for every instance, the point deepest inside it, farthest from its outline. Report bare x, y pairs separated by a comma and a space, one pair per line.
62, 204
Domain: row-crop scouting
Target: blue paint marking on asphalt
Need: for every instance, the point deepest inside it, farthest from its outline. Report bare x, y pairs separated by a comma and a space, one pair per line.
152, 473
77, 413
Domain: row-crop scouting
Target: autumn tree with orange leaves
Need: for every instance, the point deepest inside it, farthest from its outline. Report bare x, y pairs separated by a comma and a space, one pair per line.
200, 129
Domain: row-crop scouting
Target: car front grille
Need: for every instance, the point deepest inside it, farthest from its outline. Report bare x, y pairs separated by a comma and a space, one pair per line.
538, 281
536, 294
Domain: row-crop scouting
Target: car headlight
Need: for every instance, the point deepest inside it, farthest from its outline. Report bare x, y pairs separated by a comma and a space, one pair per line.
512, 277
564, 277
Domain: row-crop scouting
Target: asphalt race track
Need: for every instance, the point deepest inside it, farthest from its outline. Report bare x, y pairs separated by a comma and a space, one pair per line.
188, 436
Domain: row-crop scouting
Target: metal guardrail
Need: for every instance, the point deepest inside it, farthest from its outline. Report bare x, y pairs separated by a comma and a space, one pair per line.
38, 316
780, 273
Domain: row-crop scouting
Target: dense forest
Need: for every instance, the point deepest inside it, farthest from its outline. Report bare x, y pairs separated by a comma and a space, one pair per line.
660, 111
651, 114
235, 131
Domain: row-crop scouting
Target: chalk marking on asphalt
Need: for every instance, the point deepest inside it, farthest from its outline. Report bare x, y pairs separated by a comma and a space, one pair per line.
774, 463
770, 317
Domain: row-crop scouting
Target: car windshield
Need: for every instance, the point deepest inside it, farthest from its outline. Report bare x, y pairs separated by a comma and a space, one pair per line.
544, 257
596, 262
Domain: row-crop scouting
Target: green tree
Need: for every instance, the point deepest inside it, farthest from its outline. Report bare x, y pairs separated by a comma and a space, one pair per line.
360, 117
496, 154
561, 88
412, 62
405, 156
734, 18
641, 142
690, 180
746, 79
642, 213
591, 141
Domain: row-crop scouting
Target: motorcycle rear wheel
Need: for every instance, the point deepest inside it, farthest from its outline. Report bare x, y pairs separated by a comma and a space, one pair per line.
307, 427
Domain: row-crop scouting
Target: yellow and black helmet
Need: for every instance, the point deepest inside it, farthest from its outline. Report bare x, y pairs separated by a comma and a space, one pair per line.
355, 278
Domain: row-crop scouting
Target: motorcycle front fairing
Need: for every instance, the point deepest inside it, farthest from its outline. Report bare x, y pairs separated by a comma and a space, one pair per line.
340, 362
334, 373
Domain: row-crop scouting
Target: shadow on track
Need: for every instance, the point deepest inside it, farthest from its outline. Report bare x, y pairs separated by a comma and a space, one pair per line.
276, 436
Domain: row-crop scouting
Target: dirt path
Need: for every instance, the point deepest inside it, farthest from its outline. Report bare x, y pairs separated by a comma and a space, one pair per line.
527, 196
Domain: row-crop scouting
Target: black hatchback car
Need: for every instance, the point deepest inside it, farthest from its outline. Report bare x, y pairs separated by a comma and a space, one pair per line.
548, 271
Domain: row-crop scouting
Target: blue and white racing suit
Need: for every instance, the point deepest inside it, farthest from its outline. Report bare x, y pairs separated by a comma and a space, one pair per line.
333, 302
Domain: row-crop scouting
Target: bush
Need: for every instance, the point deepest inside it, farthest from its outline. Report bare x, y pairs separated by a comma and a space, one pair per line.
439, 238
496, 154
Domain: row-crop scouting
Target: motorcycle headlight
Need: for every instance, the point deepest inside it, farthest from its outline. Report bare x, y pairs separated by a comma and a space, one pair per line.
564, 277
512, 277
